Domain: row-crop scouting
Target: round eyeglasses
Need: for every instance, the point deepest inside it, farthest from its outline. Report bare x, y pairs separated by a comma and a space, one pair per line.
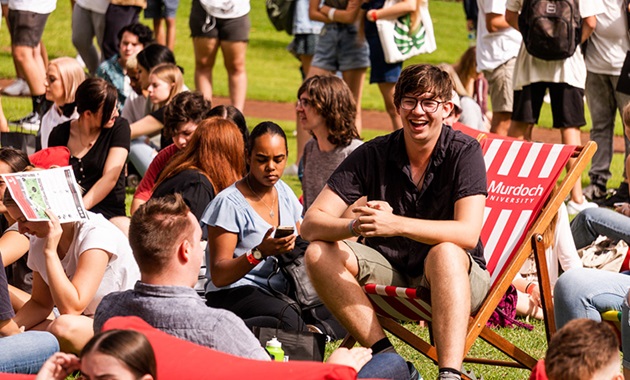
427, 105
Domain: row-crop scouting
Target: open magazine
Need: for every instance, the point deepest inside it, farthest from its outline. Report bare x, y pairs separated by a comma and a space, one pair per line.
54, 189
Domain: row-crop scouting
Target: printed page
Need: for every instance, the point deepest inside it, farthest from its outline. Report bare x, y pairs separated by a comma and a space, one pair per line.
54, 189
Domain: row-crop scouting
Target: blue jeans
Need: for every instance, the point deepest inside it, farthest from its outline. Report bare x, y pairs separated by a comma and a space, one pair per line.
141, 154
584, 293
593, 222
26, 352
385, 366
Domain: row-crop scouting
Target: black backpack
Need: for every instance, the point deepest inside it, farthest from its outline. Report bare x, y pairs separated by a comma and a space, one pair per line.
551, 29
280, 14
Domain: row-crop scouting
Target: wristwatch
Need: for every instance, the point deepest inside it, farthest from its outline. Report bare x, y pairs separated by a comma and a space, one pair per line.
254, 256
257, 254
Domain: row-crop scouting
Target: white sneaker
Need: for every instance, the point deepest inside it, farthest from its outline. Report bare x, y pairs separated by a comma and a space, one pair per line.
80, 60
291, 170
575, 208
19, 87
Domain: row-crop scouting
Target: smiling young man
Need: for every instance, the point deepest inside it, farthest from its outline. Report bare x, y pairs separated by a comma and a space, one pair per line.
426, 190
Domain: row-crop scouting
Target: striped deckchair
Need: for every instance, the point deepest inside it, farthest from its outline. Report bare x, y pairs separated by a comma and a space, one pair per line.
522, 202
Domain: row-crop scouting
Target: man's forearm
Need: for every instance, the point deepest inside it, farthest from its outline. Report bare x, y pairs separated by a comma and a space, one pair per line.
318, 225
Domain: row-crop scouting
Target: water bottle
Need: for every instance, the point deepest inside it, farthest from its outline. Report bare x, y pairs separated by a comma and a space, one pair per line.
274, 347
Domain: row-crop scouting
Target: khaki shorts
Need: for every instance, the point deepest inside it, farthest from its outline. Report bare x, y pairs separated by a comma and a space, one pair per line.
500, 86
374, 268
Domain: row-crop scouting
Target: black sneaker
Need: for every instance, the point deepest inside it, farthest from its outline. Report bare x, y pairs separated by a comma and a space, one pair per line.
30, 122
620, 195
595, 192
413, 372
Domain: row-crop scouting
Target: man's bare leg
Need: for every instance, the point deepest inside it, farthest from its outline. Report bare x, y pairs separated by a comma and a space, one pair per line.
332, 268
500, 123
520, 130
446, 269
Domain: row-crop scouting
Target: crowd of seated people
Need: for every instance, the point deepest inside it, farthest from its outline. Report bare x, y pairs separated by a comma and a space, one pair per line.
212, 194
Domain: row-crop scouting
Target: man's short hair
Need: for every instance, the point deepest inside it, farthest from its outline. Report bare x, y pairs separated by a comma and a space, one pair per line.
143, 32
183, 108
157, 229
420, 79
580, 349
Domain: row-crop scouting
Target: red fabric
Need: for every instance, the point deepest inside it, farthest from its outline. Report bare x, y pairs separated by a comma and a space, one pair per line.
145, 188
538, 373
179, 359
45, 158
13, 376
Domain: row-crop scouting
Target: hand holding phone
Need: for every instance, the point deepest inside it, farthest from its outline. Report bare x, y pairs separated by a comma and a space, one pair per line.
284, 231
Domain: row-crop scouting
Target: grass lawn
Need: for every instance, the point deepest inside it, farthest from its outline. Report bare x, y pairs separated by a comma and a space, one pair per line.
273, 72
273, 75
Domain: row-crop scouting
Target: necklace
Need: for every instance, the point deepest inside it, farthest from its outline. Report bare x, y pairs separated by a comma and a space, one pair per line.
273, 205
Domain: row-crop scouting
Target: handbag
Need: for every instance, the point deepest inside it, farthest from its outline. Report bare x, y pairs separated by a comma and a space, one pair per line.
604, 254
297, 345
408, 35
20, 139
301, 294
293, 267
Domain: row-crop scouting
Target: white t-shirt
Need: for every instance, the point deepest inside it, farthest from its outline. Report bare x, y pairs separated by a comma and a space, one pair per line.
135, 107
50, 120
35, 6
98, 6
494, 49
226, 8
96, 233
572, 70
609, 42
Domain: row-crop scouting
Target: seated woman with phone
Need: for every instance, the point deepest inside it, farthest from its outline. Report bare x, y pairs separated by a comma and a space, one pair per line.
248, 224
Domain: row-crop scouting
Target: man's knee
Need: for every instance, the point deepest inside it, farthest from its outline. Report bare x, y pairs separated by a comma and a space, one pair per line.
315, 255
447, 255
324, 257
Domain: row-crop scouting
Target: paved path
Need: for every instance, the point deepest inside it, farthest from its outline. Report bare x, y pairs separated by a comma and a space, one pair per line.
371, 119
377, 120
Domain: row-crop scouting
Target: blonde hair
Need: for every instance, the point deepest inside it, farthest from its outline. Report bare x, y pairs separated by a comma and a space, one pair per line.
132, 63
71, 74
172, 75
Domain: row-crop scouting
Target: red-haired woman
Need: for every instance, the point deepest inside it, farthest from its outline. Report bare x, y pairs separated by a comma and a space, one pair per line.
212, 161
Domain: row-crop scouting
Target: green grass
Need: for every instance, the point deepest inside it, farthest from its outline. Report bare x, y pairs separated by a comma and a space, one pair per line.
273, 76
272, 72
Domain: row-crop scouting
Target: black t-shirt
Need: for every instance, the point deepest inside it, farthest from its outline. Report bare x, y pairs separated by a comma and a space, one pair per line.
89, 168
159, 116
194, 187
380, 170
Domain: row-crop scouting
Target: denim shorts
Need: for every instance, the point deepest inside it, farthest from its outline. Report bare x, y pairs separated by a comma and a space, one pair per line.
161, 9
374, 268
381, 71
303, 44
339, 48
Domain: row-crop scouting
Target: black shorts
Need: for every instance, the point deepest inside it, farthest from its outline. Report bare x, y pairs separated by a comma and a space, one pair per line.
26, 28
225, 29
567, 104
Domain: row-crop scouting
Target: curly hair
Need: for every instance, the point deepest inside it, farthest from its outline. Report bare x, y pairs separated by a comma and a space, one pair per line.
185, 107
332, 99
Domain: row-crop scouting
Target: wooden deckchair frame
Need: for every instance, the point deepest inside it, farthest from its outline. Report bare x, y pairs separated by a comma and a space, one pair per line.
533, 242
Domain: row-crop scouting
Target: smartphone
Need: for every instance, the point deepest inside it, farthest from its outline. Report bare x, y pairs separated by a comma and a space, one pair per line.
284, 231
